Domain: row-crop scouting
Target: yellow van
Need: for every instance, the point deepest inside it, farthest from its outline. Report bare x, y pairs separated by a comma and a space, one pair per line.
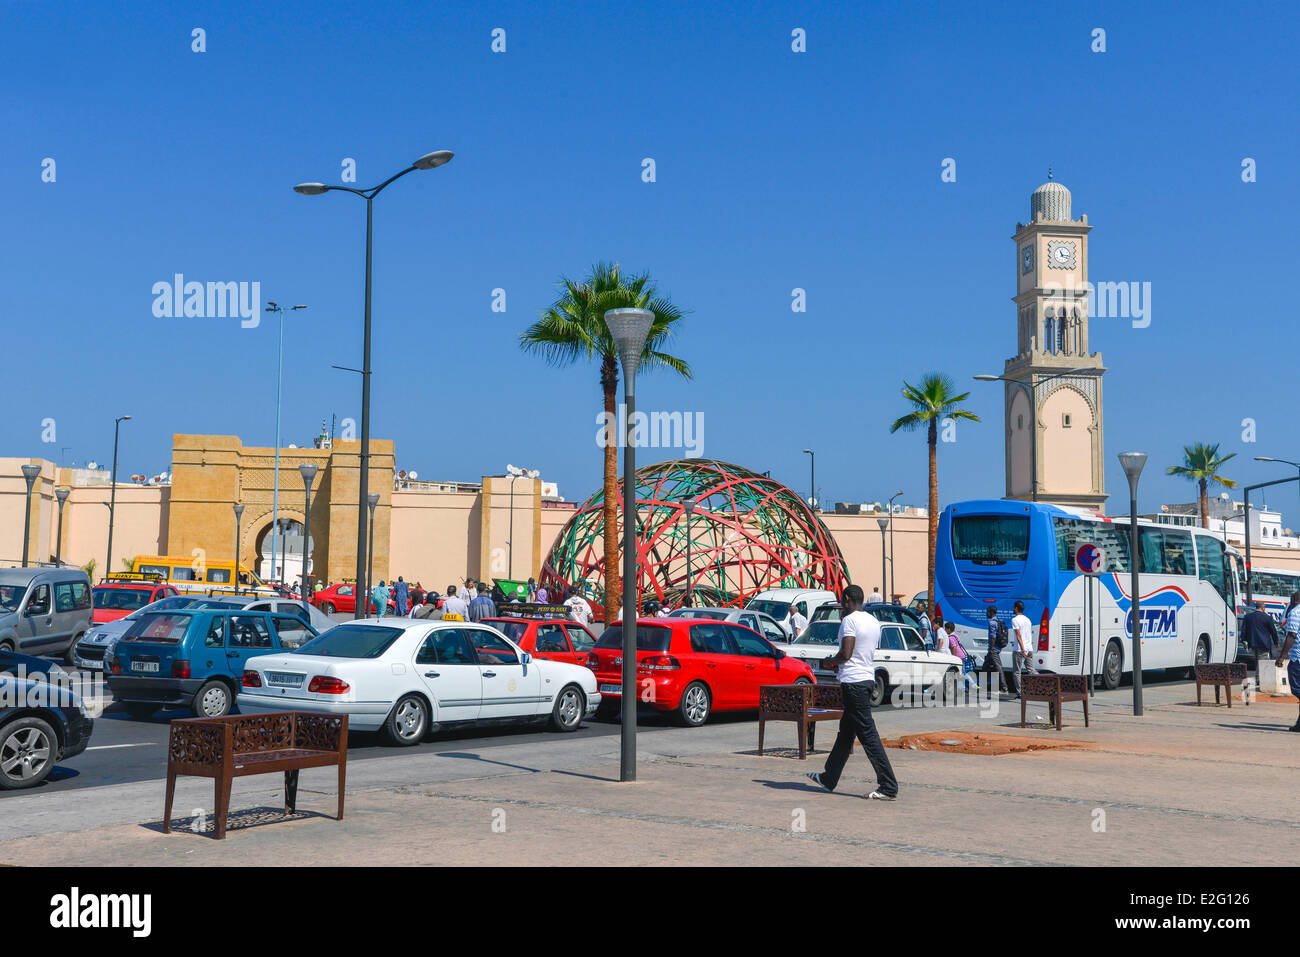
193, 574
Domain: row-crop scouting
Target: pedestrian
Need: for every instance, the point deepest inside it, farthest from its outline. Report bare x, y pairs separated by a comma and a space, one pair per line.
532, 591
402, 594
855, 666
1022, 645
454, 605
417, 595
1259, 633
875, 597
579, 610
379, 595
998, 638
463, 592
950, 644
922, 612
542, 596
1291, 651
797, 623
482, 606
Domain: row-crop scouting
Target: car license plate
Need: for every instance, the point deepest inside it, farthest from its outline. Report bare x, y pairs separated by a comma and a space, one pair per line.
611, 689
148, 667
283, 680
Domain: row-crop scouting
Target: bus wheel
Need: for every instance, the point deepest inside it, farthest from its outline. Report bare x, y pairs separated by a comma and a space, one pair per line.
1112, 666
1202, 654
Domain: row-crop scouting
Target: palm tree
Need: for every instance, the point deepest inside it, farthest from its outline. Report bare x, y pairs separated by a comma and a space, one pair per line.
573, 328
932, 400
1201, 464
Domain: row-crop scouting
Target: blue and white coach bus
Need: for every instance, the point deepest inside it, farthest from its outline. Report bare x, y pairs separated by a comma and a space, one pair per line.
1271, 589
995, 552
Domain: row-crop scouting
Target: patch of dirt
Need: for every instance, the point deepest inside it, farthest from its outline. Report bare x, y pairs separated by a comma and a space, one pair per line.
966, 742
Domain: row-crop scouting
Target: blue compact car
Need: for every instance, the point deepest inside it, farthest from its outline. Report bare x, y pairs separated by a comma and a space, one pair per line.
194, 657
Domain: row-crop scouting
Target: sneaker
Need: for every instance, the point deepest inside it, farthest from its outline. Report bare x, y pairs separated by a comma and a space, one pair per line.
877, 796
816, 778
1294, 727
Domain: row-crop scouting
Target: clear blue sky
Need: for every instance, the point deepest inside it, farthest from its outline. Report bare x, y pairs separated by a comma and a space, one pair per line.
775, 170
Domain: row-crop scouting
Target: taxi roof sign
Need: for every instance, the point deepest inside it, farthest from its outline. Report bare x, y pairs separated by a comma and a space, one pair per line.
133, 577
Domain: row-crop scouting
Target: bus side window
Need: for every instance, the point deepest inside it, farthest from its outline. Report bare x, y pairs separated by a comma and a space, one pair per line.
1210, 563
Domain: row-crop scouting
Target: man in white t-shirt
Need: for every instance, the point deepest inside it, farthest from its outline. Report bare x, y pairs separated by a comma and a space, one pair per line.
1022, 650
855, 662
579, 610
875, 597
455, 605
797, 623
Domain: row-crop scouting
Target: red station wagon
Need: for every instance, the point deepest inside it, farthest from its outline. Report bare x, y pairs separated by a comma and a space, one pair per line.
694, 666
555, 639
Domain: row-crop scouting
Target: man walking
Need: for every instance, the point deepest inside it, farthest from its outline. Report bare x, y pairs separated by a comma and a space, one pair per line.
855, 662
402, 594
875, 597
1022, 647
1259, 634
997, 641
1291, 651
797, 623
379, 594
926, 628
482, 606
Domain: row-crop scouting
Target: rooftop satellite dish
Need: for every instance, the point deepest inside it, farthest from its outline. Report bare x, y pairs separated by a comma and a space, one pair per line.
93, 466
413, 475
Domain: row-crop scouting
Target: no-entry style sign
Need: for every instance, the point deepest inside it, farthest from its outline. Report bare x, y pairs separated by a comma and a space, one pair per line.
1088, 559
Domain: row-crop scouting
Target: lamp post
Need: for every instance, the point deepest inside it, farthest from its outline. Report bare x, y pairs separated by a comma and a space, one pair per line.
812, 478
427, 161
112, 495
279, 380
1245, 494
1033, 410
893, 584
29, 474
1133, 463
884, 568
629, 329
308, 473
515, 473
62, 495
239, 514
372, 500
689, 507
1269, 458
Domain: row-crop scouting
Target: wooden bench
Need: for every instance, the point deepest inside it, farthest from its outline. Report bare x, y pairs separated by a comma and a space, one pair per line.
237, 745
1224, 676
1055, 690
803, 704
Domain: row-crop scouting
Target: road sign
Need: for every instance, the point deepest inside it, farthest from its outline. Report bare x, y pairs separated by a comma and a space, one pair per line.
1088, 559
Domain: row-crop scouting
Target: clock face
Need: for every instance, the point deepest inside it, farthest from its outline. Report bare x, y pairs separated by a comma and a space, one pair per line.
1027, 259
1060, 254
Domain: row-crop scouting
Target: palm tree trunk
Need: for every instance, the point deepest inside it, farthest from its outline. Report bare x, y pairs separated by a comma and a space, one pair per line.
613, 581
1205, 504
934, 511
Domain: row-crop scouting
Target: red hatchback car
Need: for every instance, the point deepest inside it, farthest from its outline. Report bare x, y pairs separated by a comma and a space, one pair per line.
113, 600
343, 598
694, 666
555, 639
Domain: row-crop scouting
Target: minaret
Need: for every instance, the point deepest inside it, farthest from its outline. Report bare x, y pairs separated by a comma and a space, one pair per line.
1054, 442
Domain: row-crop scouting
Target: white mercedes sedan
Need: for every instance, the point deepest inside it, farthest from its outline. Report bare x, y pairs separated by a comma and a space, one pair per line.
408, 677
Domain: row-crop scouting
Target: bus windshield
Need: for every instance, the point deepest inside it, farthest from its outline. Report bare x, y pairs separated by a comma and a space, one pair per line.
990, 538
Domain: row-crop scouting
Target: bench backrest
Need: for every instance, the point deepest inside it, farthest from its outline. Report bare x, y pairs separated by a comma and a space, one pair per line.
209, 742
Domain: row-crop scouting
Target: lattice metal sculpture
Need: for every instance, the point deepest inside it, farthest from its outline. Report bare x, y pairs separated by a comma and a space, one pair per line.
747, 533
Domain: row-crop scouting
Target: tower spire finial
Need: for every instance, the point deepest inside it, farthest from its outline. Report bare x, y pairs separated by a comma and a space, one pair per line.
1049, 172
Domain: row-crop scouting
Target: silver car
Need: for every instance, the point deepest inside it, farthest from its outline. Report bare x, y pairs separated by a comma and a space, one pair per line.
757, 621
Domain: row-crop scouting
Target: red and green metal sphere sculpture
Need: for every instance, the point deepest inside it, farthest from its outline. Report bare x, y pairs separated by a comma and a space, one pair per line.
708, 533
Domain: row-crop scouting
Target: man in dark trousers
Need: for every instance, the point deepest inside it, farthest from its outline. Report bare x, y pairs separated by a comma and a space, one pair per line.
855, 663
1259, 634
997, 641
1290, 652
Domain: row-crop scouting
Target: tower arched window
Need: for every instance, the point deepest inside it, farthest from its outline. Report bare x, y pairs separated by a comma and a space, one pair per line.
1049, 331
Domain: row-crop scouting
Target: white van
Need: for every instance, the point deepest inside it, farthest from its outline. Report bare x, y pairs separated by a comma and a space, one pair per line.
779, 602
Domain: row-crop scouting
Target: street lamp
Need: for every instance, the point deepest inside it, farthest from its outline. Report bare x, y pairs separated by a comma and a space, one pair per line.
239, 514
812, 478
427, 161
279, 380
29, 473
689, 507
893, 584
1033, 409
62, 495
372, 500
112, 496
1269, 458
308, 473
884, 524
510, 542
629, 329
1133, 463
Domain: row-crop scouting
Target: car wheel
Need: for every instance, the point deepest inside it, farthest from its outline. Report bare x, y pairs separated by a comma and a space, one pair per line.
141, 710
950, 685
407, 721
327, 608
693, 709
69, 656
880, 689
570, 706
1112, 666
212, 700
7, 646
28, 749
802, 681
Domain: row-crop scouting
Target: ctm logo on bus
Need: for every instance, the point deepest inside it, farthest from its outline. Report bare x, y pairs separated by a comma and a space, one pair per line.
1159, 610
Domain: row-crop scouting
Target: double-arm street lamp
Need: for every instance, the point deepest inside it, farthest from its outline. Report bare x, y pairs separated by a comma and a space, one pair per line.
427, 161
279, 380
1269, 458
29, 475
112, 495
1033, 414
1133, 463
629, 329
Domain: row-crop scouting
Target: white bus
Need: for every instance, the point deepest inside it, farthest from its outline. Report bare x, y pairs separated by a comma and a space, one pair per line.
1271, 589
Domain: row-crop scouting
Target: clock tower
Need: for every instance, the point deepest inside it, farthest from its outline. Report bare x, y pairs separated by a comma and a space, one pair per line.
1053, 396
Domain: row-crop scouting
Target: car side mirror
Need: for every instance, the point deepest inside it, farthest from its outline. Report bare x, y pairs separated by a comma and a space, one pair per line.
779, 653
527, 658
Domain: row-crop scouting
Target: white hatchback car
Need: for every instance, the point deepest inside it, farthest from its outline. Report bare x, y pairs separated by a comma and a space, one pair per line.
408, 677
901, 659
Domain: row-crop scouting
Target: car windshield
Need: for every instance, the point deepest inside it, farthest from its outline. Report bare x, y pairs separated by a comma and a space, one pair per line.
164, 627
120, 599
648, 637
351, 641
828, 613
820, 633
11, 595
777, 609
514, 630
699, 613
